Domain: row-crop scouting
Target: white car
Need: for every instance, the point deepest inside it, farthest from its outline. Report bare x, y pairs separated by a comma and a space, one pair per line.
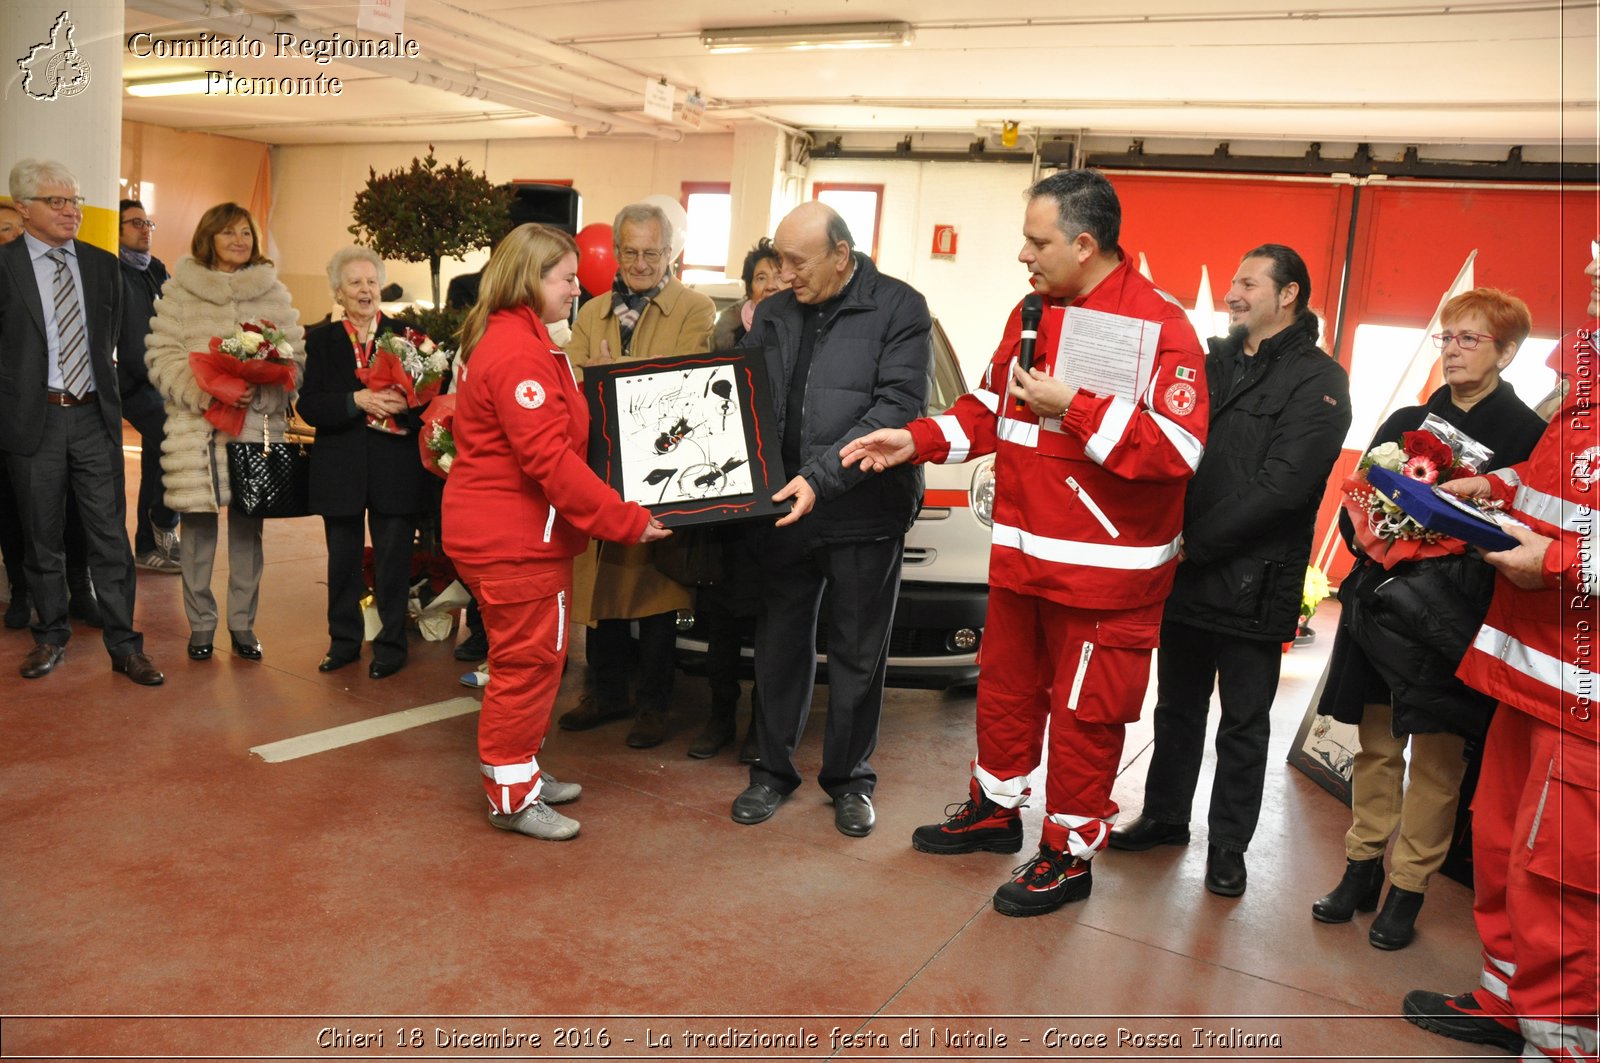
944, 584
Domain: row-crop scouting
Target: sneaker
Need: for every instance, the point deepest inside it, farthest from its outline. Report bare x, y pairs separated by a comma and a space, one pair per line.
1462, 1018
538, 820
554, 792
156, 561
1043, 884
975, 825
478, 678
167, 543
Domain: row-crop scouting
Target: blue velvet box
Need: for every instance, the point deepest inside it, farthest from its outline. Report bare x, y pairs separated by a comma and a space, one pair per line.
1436, 514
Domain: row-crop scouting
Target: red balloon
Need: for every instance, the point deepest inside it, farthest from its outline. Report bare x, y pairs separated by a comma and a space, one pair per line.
597, 260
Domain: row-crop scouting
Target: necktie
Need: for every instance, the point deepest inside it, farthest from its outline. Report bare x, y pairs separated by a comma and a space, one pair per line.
72, 342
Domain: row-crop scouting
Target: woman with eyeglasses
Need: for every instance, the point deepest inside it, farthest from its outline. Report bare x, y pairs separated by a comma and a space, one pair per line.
225, 282
1402, 633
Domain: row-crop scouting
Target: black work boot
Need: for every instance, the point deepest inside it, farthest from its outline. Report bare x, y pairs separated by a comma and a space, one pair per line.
1356, 892
1396, 924
975, 825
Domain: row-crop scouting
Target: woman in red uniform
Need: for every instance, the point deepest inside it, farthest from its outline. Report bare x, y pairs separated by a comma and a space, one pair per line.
520, 503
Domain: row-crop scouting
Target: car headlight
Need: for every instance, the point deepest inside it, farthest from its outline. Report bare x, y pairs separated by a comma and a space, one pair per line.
983, 491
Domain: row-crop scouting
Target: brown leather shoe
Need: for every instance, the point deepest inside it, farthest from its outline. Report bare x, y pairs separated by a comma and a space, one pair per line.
42, 660
139, 668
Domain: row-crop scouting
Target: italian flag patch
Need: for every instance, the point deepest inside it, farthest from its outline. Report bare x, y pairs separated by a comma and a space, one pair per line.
1185, 373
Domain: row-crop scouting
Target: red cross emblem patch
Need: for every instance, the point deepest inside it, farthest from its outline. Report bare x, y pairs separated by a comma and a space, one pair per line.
1180, 399
530, 394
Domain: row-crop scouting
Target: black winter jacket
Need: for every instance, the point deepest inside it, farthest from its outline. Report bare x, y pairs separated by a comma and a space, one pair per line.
869, 370
1251, 508
1403, 631
140, 290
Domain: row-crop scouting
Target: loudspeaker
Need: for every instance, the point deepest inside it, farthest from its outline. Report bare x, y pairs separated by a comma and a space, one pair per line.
557, 205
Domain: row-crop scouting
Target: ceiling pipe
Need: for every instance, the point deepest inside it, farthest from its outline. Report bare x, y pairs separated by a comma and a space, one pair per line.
199, 14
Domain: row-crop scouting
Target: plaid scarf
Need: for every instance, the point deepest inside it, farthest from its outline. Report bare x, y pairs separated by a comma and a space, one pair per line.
627, 304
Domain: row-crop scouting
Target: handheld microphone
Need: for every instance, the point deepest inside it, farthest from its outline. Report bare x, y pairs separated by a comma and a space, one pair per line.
1032, 311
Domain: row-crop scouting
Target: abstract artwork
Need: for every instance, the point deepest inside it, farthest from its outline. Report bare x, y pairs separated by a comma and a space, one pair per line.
691, 438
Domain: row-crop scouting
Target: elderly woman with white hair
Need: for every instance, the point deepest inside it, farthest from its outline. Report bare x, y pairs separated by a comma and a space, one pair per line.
364, 461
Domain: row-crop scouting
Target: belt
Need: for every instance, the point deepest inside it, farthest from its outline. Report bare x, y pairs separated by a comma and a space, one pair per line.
62, 398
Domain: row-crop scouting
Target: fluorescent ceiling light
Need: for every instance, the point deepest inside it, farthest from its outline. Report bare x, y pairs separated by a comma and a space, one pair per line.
184, 85
801, 38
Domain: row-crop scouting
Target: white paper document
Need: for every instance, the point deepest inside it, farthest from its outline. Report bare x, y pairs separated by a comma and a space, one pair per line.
1106, 354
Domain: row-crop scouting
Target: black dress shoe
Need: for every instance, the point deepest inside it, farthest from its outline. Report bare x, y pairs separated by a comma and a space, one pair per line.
247, 647
384, 669
201, 652
756, 804
332, 662
1225, 875
853, 815
139, 668
1146, 833
42, 660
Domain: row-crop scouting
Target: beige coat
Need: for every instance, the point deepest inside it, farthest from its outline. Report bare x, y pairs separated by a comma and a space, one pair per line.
196, 304
612, 580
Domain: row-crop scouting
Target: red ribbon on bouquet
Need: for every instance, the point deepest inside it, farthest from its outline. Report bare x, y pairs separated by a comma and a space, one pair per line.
386, 371
441, 411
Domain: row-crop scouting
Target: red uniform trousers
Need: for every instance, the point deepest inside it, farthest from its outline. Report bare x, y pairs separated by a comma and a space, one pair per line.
524, 606
1085, 673
1535, 879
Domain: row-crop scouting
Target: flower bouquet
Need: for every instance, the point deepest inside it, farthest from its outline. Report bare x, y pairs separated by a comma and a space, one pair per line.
256, 354
437, 439
410, 363
1383, 530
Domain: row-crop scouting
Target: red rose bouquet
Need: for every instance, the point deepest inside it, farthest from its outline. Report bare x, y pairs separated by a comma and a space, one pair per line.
256, 354
1382, 528
437, 440
410, 363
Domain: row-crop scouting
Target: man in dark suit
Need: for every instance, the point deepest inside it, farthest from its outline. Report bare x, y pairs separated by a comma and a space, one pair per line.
60, 415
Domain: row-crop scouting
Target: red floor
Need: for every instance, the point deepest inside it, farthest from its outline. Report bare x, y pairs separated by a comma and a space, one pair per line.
166, 894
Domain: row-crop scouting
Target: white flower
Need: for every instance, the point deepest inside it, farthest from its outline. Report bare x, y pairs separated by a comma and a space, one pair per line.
438, 364
445, 461
1388, 456
250, 341
427, 346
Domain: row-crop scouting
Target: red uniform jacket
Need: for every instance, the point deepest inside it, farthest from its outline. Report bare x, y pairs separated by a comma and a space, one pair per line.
1537, 649
519, 488
1090, 516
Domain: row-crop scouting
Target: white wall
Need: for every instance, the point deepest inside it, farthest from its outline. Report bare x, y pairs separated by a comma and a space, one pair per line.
315, 185
972, 293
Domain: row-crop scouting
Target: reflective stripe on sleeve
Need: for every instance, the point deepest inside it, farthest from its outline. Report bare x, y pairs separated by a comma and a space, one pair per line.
1535, 664
1112, 424
956, 436
1569, 516
1093, 555
1188, 447
990, 400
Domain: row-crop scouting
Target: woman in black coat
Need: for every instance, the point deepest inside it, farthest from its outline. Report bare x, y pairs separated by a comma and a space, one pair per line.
1403, 631
359, 467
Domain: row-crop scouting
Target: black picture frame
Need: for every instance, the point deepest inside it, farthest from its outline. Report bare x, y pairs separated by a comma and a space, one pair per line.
671, 427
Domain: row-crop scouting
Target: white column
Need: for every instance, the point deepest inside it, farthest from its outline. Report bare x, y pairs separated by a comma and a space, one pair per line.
763, 190
61, 98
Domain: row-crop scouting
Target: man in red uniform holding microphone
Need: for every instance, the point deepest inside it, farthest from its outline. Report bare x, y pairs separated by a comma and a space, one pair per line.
1088, 518
1535, 814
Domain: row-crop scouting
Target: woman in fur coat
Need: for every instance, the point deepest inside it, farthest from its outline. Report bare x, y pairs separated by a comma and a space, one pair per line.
226, 283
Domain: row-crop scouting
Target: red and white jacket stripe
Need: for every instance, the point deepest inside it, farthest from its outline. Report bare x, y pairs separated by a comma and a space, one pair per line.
1090, 516
1537, 649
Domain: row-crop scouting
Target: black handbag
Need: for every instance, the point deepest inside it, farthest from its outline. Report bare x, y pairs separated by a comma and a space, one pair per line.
269, 479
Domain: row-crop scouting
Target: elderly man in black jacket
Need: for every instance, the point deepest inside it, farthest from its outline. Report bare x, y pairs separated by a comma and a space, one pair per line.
155, 527
847, 350
1280, 408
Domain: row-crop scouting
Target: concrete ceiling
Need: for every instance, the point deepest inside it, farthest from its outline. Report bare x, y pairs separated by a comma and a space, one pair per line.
1477, 71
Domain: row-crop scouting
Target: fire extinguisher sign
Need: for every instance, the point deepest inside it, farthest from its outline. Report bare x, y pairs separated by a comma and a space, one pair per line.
944, 241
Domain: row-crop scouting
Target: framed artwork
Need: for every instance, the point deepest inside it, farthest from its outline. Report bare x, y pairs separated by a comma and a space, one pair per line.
691, 438
1324, 748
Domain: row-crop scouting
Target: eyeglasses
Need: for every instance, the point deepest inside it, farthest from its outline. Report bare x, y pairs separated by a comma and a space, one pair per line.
140, 223
652, 256
57, 202
1467, 341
